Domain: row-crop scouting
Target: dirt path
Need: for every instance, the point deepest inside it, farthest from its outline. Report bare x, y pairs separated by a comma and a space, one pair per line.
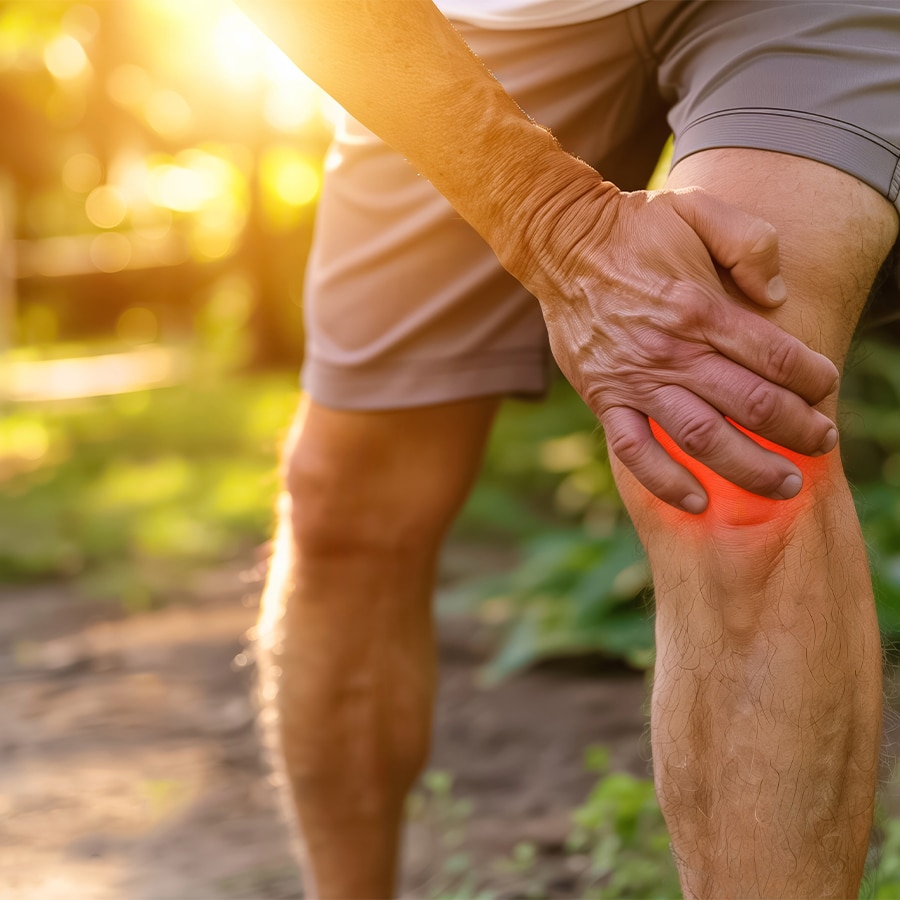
130, 770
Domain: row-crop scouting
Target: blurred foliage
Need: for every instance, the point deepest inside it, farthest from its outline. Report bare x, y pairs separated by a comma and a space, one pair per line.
870, 425
161, 187
445, 819
160, 190
108, 488
128, 493
618, 845
581, 585
621, 828
883, 877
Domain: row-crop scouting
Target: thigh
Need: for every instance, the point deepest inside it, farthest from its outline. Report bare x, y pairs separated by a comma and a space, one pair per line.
405, 304
834, 234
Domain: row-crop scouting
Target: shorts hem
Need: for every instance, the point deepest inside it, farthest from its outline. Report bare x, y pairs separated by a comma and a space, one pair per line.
846, 147
410, 385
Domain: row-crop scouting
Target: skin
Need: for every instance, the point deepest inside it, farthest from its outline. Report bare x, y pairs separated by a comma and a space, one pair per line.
767, 694
346, 644
766, 709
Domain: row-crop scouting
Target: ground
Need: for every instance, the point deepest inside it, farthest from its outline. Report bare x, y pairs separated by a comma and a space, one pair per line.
130, 766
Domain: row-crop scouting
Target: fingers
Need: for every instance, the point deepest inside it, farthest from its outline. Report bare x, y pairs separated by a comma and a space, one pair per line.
705, 435
629, 437
763, 408
770, 352
742, 243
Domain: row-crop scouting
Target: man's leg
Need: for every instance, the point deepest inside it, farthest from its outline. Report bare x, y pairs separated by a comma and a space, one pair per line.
766, 707
345, 632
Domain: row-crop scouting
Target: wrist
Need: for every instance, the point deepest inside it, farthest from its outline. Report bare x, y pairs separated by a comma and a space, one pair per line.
530, 205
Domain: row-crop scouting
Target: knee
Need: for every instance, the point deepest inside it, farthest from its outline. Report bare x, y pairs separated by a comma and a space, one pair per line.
744, 555
337, 507
736, 522
732, 508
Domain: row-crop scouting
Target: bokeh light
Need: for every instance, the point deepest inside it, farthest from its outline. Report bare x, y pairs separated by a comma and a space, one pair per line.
82, 22
293, 178
129, 85
165, 134
65, 57
105, 206
181, 188
110, 252
168, 113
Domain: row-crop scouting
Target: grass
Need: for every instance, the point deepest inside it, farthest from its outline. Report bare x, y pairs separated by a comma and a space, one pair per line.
128, 493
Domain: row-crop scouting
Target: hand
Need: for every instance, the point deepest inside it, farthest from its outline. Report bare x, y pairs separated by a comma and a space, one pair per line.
641, 325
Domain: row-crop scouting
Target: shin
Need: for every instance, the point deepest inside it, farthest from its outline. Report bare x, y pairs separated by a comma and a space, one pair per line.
766, 704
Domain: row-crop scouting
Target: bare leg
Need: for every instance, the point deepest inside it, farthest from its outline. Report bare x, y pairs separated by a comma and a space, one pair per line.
346, 634
766, 710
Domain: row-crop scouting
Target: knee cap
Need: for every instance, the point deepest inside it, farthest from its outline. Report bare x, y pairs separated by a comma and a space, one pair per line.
731, 505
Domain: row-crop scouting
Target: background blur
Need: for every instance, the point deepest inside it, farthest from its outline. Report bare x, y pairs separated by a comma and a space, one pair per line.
158, 177
159, 171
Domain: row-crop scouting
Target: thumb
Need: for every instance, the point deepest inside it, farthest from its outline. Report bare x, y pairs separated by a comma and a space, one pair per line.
742, 243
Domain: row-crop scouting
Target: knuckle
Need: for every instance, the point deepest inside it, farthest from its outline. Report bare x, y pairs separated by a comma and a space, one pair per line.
628, 445
761, 407
783, 360
698, 436
761, 236
691, 309
656, 348
595, 396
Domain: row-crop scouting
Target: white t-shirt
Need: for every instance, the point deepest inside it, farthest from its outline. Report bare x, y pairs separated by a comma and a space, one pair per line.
509, 14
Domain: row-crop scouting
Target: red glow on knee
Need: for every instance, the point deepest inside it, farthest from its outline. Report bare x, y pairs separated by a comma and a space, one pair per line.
730, 504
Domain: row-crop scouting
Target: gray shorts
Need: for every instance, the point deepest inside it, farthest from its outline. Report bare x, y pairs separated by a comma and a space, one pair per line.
407, 306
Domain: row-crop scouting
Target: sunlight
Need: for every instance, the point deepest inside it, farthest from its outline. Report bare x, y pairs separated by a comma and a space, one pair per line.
106, 206
94, 376
297, 182
182, 189
239, 48
242, 49
65, 57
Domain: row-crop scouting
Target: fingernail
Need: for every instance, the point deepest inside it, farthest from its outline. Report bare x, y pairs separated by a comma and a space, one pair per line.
777, 289
694, 504
790, 487
829, 443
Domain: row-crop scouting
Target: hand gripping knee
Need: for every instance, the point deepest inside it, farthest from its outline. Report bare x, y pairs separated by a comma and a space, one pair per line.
730, 505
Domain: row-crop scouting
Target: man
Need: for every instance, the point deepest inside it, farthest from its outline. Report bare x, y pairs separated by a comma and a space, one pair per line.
668, 314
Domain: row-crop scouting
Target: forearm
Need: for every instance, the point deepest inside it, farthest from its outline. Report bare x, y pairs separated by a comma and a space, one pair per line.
401, 69
626, 282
